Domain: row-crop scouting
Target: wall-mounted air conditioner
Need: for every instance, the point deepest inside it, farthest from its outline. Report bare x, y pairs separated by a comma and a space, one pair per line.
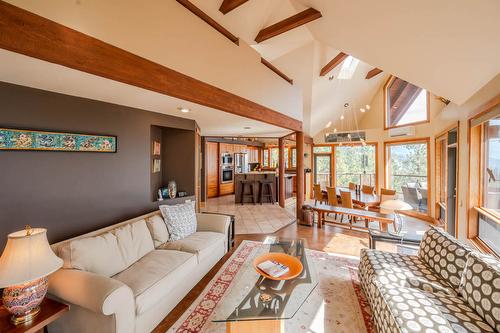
402, 131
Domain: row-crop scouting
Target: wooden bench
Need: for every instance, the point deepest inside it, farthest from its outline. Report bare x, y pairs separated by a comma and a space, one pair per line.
382, 218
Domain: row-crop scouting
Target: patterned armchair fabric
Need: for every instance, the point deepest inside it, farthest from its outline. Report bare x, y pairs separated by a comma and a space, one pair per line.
421, 293
444, 255
481, 287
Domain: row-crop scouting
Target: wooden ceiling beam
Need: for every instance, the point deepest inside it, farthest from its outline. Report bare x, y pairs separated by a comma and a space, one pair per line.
373, 72
229, 5
333, 63
210, 21
276, 70
26, 33
290, 23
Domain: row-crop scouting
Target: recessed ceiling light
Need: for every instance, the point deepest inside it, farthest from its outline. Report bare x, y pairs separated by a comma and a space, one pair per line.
328, 124
368, 107
247, 127
183, 109
362, 110
330, 77
342, 117
346, 105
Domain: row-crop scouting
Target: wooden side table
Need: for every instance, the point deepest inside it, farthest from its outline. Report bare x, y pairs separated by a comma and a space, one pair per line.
50, 311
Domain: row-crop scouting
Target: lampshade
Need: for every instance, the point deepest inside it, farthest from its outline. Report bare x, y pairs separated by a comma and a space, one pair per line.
26, 257
393, 205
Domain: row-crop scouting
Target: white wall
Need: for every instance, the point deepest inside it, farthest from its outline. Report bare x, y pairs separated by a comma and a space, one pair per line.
167, 33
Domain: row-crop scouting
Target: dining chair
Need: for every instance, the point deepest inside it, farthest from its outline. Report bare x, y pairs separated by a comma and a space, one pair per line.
318, 195
367, 189
352, 186
346, 202
332, 198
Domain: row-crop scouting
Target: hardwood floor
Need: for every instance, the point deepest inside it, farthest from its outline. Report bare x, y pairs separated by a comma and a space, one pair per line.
329, 239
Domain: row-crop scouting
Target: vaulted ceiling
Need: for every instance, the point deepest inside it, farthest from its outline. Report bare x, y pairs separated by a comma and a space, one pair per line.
449, 47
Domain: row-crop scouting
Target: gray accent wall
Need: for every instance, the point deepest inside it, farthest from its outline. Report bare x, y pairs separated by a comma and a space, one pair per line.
71, 193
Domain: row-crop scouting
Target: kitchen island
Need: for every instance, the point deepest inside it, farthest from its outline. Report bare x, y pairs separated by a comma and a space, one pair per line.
254, 177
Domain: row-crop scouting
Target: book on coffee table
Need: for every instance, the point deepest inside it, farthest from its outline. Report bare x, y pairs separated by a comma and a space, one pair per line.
273, 268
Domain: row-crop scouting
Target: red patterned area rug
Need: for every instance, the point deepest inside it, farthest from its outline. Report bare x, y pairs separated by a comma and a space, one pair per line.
337, 304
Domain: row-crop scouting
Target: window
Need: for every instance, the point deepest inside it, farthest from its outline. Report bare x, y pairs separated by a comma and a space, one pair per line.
441, 154
323, 169
294, 157
286, 157
484, 180
407, 172
266, 158
356, 164
491, 179
274, 157
405, 103
322, 149
348, 68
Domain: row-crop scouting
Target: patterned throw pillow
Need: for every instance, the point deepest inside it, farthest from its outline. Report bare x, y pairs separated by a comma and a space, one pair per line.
481, 287
180, 220
445, 255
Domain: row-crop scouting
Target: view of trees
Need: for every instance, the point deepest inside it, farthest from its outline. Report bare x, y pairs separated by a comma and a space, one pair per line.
407, 164
355, 164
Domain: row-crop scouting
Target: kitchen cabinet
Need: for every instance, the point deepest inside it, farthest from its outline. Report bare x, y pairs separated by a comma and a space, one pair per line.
253, 155
226, 188
212, 165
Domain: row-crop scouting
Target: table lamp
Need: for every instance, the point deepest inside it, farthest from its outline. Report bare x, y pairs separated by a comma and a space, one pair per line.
394, 206
26, 262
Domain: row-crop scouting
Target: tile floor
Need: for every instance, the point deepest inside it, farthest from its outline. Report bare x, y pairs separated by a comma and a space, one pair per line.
253, 219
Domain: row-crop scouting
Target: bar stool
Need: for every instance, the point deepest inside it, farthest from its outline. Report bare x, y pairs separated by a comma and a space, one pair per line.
244, 185
266, 184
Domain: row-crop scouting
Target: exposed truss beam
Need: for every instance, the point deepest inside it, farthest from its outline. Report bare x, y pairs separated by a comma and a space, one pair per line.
290, 23
333, 63
229, 5
210, 21
373, 72
276, 70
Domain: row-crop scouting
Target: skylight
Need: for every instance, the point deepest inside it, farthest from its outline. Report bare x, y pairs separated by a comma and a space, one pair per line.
348, 68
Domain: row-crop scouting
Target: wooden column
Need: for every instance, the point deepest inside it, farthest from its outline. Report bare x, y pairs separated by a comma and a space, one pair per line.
281, 164
300, 172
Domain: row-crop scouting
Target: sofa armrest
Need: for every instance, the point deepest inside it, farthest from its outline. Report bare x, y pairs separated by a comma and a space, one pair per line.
213, 222
93, 292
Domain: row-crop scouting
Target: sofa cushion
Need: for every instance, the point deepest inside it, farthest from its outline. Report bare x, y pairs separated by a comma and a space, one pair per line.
158, 229
445, 255
180, 219
414, 310
402, 270
134, 241
100, 255
154, 275
201, 243
481, 287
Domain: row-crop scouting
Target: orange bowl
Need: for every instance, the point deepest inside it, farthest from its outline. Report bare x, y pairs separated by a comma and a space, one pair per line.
294, 265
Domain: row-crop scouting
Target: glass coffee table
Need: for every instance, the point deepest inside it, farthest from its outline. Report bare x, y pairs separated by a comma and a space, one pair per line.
255, 302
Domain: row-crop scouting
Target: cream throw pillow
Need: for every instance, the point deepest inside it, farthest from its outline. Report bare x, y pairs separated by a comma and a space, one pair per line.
180, 220
134, 241
158, 229
100, 255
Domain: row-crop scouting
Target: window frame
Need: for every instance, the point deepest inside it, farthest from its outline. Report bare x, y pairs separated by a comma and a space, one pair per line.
332, 156
427, 141
386, 109
477, 159
334, 171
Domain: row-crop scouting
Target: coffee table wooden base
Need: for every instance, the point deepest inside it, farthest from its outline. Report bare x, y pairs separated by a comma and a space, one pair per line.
256, 326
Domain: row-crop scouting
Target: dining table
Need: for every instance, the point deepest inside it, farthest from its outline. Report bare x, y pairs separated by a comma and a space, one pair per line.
362, 199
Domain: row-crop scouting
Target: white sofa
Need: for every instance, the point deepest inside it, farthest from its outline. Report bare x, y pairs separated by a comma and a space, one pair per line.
125, 278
